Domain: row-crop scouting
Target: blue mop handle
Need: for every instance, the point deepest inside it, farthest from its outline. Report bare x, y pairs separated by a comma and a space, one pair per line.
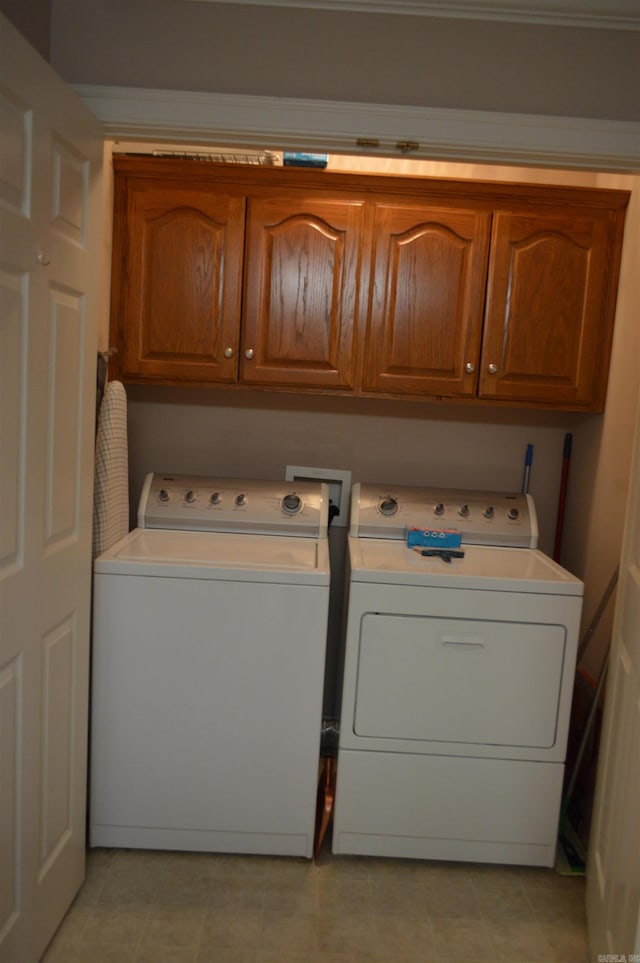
528, 458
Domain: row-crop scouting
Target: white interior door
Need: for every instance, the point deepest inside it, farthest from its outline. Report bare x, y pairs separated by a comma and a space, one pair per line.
613, 871
50, 171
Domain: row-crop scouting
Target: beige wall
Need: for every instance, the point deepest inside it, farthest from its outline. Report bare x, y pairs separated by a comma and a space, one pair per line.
342, 56
258, 434
32, 19
601, 463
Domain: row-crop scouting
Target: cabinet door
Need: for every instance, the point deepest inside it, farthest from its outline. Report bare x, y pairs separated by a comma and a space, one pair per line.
177, 281
427, 296
549, 309
302, 284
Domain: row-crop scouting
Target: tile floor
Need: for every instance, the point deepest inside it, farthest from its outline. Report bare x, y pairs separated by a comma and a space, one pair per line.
157, 907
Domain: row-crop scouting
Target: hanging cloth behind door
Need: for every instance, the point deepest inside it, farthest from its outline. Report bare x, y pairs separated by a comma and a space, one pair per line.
111, 485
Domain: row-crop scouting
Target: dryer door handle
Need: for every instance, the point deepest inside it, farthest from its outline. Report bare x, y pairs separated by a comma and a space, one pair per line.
462, 641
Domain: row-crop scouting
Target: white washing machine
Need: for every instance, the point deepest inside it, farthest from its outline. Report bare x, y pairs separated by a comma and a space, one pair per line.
210, 624
457, 682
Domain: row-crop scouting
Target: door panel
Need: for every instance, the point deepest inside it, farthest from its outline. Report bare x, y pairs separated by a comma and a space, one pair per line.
505, 678
49, 279
13, 337
64, 428
10, 691
425, 320
544, 325
302, 298
177, 271
56, 779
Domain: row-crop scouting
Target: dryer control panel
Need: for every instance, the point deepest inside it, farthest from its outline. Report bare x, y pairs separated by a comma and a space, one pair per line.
243, 506
482, 518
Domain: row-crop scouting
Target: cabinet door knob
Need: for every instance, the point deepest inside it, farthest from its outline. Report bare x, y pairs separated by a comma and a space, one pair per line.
228, 352
469, 367
493, 369
249, 353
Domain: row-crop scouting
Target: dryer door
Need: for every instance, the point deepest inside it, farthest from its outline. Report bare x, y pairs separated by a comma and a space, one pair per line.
468, 673
425, 679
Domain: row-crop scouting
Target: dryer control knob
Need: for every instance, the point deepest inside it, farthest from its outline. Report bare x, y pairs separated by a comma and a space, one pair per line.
291, 503
463, 511
215, 498
438, 509
513, 514
388, 506
163, 495
489, 511
241, 500
190, 497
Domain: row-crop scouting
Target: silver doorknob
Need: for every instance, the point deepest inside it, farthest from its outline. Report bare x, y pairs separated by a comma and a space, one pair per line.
493, 369
228, 352
249, 354
469, 368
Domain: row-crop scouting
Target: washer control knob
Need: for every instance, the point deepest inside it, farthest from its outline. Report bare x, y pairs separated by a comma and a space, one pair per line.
513, 514
291, 503
190, 497
463, 511
241, 500
389, 505
489, 511
438, 509
216, 498
163, 495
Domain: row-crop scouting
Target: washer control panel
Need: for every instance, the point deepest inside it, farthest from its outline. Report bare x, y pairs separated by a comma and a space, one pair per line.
482, 518
243, 506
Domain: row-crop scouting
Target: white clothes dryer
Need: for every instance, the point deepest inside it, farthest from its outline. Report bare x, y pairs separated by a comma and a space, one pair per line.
210, 624
457, 683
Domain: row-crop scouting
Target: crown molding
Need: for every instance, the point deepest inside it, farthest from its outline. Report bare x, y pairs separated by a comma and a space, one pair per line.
277, 123
603, 14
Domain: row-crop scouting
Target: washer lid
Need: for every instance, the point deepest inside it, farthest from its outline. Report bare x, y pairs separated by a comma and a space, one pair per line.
215, 555
490, 568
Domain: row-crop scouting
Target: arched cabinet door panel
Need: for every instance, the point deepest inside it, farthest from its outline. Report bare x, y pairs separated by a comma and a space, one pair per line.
178, 285
547, 327
427, 294
302, 291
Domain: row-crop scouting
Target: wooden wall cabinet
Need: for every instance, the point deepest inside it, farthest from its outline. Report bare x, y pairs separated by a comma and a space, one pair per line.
302, 290
364, 284
549, 310
177, 282
213, 285
427, 295
504, 305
